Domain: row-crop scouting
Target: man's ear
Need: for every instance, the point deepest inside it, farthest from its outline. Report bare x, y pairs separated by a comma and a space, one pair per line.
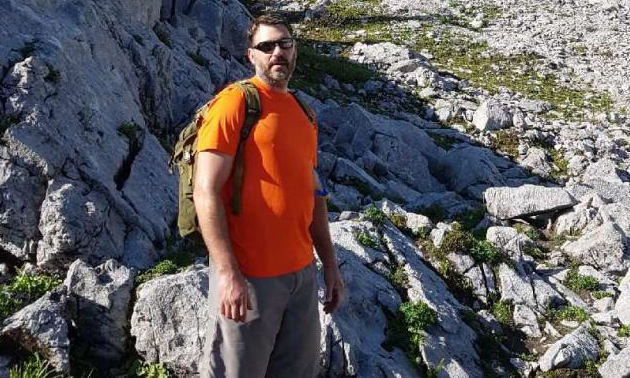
248, 55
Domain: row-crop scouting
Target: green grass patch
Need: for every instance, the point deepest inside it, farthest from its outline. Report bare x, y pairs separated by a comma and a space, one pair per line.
172, 263
375, 215
313, 66
143, 369
445, 142
484, 252
571, 313
560, 162
504, 313
529, 231
34, 367
601, 294
536, 252
364, 238
580, 283
506, 141
624, 331
399, 279
398, 219
22, 290
406, 328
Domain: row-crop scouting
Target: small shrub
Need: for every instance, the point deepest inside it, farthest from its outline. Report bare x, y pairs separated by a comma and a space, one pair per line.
601, 294
35, 367
28, 49
146, 370
398, 219
198, 58
418, 317
171, 264
7, 121
164, 37
529, 231
580, 283
484, 252
365, 239
507, 142
398, 278
376, 216
129, 130
457, 241
561, 164
53, 75
624, 331
32, 285
503, 311
443, 141
421, 233
570, 313
536, 252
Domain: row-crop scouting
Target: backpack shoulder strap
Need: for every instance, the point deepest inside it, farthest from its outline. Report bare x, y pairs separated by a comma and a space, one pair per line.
253, 112
305, 107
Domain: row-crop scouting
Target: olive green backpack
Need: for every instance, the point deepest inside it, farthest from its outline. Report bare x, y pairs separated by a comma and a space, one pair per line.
185, 152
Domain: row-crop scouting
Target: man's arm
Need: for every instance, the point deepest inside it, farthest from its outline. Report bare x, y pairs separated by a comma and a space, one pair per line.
212, 170
326, 252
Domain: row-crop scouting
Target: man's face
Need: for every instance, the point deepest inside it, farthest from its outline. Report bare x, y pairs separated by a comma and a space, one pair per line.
276, 66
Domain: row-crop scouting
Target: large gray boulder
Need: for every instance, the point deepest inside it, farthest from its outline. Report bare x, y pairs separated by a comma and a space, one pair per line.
604, 248
526, 200
492, 115
42, 327
572, 351
616, 365
469, 170
169, 320
99, 307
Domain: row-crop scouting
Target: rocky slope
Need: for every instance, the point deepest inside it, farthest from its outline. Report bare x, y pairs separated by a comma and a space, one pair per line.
476, 155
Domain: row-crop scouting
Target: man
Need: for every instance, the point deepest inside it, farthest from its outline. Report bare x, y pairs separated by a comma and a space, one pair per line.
263, 291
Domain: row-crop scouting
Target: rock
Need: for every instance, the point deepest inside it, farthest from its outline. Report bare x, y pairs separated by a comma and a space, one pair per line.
536, 161
440, 204
576, 219
492, 116
348, 173
344, 197
622, 305
527, 200
42, 327
439, 232
608, 318
414, 222
571, 351
101, 297
512, 242
604, 304
525, 368
525, 320
469, 170
169, 320
551, 331
607, 170
604, 248
616, 365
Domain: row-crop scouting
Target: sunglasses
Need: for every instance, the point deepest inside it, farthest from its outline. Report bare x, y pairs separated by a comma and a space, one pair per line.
268, 46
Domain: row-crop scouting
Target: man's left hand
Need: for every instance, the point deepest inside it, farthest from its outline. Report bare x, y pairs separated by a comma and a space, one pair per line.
334, 288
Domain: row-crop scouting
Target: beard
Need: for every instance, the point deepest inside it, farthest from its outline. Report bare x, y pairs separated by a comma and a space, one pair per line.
278, 71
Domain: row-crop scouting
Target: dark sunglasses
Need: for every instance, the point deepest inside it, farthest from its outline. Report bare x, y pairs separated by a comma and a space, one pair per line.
268, 46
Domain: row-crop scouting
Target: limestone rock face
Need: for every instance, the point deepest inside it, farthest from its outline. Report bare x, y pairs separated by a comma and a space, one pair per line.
492, 116
85, 87
170, 319
508, 203
100, 304
605, 248
571, 351
42, 327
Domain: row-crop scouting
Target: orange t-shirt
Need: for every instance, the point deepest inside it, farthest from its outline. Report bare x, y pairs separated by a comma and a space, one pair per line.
270, 236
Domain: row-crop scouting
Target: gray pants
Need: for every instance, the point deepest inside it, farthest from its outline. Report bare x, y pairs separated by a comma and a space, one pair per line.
280, 337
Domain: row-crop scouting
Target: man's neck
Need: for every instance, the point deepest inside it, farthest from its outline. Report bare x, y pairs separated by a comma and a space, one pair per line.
280, 87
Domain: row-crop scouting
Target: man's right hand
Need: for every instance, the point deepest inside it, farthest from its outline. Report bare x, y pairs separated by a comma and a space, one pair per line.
234, 298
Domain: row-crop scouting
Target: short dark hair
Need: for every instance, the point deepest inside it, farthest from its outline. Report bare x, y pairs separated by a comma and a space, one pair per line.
266, 19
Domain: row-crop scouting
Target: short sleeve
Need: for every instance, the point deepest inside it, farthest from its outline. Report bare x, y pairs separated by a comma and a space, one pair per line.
221, 124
